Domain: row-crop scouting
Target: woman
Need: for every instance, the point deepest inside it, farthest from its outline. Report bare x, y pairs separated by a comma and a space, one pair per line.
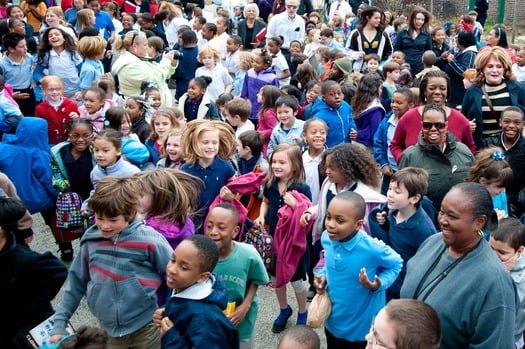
495, 89
405, 324
415, 39
437, 151
249, 28
434, 88
458, 62
498, 37
458, 274
133, 70
370, 37
171, 23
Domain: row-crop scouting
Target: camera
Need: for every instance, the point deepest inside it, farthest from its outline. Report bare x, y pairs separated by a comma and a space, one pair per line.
177, 55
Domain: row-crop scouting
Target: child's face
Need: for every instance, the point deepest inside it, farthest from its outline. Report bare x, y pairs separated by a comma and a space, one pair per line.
281, 166
439, 37
208, 60
399, 104
511, 123
154, 98
20, 49
316, 38
325, 40
54, 92
195, 91
162, 125
145, 203
286, 116
184, 267
110, 226
17, 13
494, 188
508, 255
105, 152
394, 75
231, 46
209, 144
313, 93
127, 22
295, 48
237, 11
232, 119
520, 58
452, 30
244, 152
55, 38
93, 102
335, 73
80, 137
52, 19
398, 197
334, 96
398, 58
341, 223
272, 47
372, 65
125, 126
134, 109
315, 135
173, 148
222, 227
258, 64
333, 173
383, 332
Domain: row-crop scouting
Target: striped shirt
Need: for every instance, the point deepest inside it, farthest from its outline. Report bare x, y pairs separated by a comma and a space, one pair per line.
500, 97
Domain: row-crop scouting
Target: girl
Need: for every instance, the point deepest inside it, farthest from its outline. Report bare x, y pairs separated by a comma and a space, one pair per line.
279, 64
71, 162
95, 106
152, 95
491, 170
207, 148
286, 175
107, 83
259, 75
314, 134
267, 115
313, 42
367, 109
85, 19
58, 54
221, 81
133, 150
439, 46
56, 109
162, 122
55, 19
313, 90
243, 62
136, 108
196, 103
171, 150
92, 48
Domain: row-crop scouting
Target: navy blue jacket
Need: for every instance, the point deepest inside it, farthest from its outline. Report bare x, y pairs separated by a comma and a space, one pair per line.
413, 49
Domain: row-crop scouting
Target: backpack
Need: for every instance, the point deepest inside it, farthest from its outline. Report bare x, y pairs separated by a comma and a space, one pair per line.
68, 211
263, 243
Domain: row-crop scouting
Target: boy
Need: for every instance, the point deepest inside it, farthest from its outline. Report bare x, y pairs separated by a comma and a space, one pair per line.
518, 68
237, 112
300, 337
233, 46
249, 152
401, 222
10, 114
289, 129
327, 39
372, 64
240, 267
508, 243
391, 72
193, 316
429, 59
121, 258
405, 77
147, 22
477, 27
335, 112
350, 256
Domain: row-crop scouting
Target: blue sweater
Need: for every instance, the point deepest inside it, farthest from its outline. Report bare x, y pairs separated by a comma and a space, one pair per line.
339, 121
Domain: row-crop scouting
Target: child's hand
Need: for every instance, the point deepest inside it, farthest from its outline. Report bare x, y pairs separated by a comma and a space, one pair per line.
305, 218
363, 280
21, 95
74, 115
353, 135
259, 222
157, 316
472, 124
239, 314
165, 325
381, 217
387, 170
289, 200
86, 213
320, 284
226, 194
297, 139
78, 96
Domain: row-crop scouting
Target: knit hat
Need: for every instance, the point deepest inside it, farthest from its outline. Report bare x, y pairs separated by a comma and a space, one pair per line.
447, 26
344, 65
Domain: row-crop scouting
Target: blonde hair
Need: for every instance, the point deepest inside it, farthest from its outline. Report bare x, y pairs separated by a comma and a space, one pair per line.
246, 59
131, 37
92, 46
49, 79
174, 193
209, 50
175, 132
57, 10
483, 58
173, 10
83, 19
311, 34
190, 139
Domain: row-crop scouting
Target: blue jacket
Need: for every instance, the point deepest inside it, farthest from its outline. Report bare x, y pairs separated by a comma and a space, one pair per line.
154, 156
198, 318
339, 121
25, 159
382, 152
462, 61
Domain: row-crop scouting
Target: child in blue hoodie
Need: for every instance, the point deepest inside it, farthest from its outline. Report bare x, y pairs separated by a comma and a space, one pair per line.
337, 113
193, 315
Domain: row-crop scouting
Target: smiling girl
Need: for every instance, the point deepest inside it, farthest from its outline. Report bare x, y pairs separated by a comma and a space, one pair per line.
95, 106
162, 122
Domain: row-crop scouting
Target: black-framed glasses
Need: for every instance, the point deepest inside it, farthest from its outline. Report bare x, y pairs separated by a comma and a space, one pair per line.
438, 125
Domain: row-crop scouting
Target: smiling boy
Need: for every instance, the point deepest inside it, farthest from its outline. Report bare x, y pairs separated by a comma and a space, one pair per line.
289, 129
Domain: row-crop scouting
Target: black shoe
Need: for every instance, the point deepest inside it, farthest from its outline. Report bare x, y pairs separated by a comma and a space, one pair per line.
277, 327
66, 251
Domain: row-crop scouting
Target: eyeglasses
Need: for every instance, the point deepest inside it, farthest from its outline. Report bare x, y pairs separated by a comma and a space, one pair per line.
372, 339
291, 7
438, 125
86, 136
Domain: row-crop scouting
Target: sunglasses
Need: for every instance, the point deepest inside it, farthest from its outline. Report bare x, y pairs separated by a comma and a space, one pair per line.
291, 7
438, 125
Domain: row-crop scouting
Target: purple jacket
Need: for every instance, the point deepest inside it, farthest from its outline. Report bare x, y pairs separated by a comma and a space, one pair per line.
253, 82
171, 231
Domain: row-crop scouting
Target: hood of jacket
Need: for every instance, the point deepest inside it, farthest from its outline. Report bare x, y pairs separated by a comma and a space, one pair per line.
124, 59
320, 105
33, 129
213, 290
345, 65
172, 230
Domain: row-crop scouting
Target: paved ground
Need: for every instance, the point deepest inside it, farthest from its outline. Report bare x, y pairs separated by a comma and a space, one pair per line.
268, 308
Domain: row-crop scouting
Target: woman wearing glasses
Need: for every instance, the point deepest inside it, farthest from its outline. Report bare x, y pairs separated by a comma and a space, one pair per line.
133, 68
434, 88
446, 160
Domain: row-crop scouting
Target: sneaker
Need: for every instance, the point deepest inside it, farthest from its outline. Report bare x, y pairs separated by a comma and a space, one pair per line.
66, 251
279, 325
301, 318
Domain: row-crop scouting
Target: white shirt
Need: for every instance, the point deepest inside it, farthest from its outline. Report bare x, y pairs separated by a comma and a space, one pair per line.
339, 7
279, 64
289, 29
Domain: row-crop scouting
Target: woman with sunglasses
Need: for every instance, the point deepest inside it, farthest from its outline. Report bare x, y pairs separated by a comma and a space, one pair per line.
133, 68
434, 88
446, 160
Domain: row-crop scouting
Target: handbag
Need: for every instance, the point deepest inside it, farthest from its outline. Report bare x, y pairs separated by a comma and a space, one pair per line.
319, 310
263, 243
68, 211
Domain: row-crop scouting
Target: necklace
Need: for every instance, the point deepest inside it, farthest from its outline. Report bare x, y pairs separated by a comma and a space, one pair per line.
438, 278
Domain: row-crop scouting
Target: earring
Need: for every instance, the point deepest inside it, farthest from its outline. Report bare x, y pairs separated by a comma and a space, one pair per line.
480, 233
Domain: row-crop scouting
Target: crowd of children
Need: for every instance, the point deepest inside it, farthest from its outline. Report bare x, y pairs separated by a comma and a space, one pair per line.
314, 118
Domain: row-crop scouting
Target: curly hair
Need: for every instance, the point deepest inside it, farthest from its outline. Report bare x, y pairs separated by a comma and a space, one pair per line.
355, 163
45, 46
193, 130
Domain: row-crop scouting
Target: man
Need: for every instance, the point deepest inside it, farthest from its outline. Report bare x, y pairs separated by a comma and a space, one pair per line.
339, 7
219, 41
287, 24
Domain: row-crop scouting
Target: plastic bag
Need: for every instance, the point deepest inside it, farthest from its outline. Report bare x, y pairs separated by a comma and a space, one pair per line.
319, 310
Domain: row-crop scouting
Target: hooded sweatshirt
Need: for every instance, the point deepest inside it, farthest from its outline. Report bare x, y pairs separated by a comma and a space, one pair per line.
339, 121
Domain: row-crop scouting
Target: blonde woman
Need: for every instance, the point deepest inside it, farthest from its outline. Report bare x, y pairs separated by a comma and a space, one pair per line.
173, 20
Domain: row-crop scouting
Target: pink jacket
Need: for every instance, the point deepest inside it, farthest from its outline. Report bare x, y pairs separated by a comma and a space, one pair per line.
266, 124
